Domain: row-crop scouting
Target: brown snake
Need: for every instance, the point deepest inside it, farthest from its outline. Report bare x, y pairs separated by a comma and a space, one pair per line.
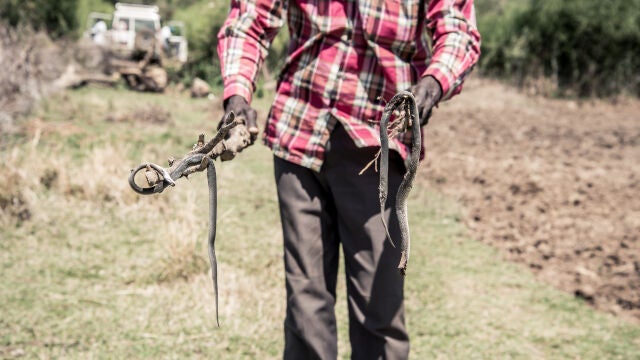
410, 120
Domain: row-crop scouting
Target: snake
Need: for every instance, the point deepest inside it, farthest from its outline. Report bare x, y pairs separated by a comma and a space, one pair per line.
198, 159
211, 240
406, 102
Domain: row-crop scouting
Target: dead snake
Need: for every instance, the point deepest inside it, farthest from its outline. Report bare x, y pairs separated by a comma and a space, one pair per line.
411, 120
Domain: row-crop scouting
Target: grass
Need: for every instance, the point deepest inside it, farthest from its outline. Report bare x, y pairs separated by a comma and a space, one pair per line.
96, 271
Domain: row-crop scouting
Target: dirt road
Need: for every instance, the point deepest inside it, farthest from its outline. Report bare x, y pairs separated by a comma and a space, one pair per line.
552, 183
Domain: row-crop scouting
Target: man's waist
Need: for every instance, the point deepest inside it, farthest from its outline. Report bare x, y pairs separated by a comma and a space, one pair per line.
298, 131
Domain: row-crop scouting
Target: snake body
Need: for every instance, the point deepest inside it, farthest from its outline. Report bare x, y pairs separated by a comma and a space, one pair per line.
211, 241
407, 101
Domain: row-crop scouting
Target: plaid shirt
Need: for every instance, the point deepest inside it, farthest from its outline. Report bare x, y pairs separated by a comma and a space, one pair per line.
343, 56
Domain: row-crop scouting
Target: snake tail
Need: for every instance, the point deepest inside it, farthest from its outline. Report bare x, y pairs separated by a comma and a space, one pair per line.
213, 204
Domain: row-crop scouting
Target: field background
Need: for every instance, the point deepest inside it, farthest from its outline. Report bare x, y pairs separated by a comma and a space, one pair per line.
92, 270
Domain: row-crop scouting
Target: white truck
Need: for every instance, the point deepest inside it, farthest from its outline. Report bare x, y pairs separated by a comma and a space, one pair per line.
137, 45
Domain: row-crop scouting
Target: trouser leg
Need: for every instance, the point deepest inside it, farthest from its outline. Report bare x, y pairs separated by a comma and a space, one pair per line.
374, 285
311, 262
318, 211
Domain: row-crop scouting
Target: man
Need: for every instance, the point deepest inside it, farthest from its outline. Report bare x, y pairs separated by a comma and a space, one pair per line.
98, 31
344, 56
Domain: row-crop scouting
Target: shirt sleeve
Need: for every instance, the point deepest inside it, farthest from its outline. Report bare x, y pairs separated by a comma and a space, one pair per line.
456, 43
243, 43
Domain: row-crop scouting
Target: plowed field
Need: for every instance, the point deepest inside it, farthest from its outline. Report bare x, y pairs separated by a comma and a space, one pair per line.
554, 184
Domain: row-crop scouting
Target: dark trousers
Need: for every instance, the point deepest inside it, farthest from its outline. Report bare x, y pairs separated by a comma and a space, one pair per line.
320, 211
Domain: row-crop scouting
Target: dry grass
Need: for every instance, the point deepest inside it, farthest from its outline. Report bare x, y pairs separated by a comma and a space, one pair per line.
152, 114
15, 201
105, 251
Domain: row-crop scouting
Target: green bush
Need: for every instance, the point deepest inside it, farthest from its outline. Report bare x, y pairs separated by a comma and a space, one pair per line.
58, 17
203, 20
585, 47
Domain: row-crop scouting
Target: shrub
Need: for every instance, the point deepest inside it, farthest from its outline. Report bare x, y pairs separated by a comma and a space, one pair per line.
58, 17
585, 47
203, 20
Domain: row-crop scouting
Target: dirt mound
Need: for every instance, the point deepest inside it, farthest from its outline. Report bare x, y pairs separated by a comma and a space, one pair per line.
552, 183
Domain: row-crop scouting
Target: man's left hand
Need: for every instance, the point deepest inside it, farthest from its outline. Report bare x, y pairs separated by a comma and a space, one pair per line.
427, 93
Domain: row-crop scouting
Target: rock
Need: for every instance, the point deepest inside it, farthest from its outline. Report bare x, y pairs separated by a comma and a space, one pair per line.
200, 88
155, 79
586, 292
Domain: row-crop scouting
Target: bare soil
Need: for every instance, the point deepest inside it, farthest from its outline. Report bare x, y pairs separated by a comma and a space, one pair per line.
551, 183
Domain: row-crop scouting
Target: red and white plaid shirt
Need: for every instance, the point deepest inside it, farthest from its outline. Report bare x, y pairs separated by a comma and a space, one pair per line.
343, 56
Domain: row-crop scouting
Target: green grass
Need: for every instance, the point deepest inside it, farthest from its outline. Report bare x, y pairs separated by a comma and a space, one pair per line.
99, 272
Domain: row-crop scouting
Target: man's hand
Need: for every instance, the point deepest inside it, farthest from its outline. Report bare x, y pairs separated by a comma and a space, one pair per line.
245, 133
427, 93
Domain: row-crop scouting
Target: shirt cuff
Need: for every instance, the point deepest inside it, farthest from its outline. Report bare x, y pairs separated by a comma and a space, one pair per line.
238, 86
443, 74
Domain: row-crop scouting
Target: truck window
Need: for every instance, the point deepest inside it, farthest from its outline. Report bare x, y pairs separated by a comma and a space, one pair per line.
145, 25
121, 24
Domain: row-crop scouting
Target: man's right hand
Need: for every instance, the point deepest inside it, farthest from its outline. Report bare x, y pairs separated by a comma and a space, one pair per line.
245, 133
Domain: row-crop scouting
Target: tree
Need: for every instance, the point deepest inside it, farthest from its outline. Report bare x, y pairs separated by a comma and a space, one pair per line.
58, 17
